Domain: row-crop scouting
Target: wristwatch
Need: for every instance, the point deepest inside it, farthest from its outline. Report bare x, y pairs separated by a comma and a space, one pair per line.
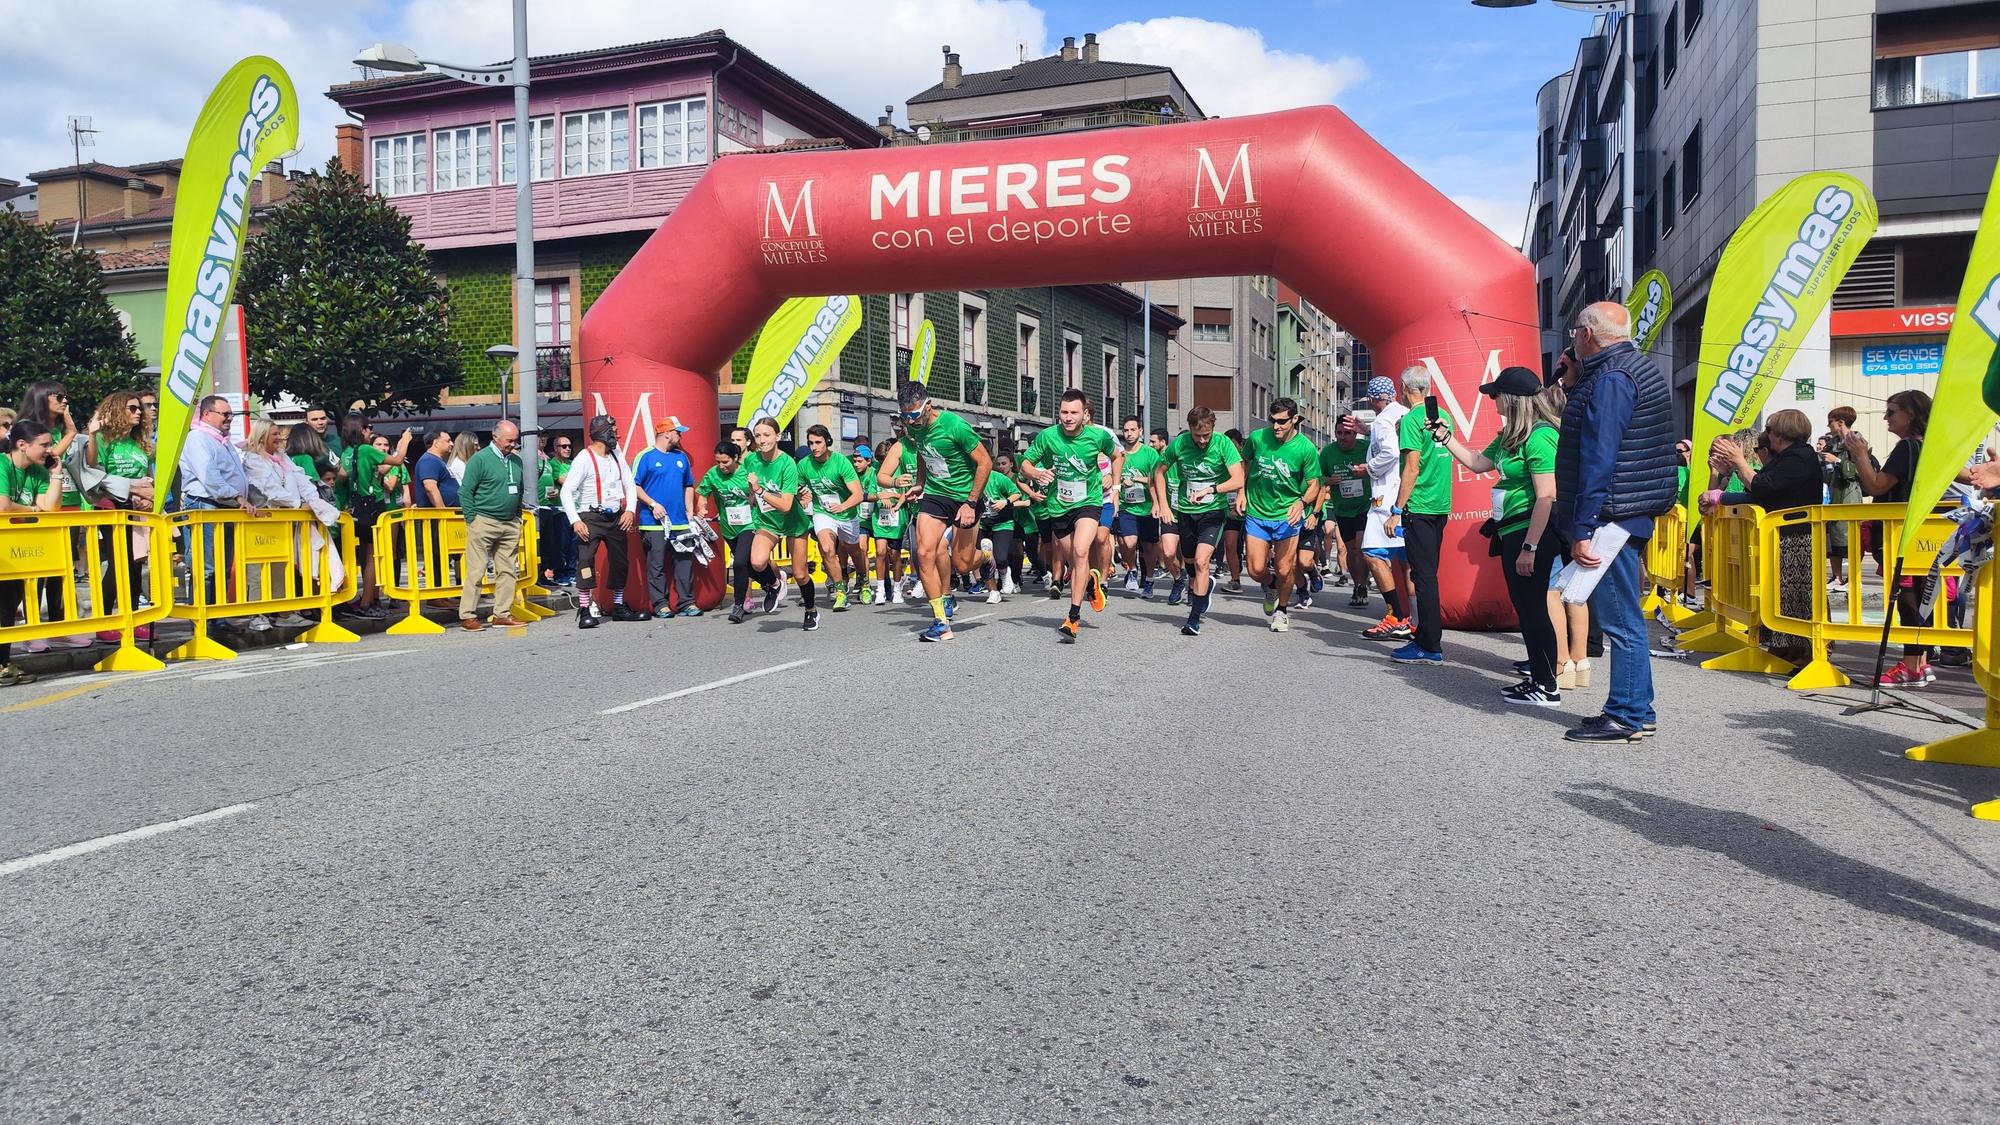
1529, 547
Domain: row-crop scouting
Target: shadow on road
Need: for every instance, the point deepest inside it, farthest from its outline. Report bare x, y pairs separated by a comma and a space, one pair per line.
1863, 755
1785, 855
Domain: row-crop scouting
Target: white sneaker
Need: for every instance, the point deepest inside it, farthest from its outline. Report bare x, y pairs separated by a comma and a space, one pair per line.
1008, 587
1132, 581
881, 592
897, 597
1280, 621
259, 624
291, 621
993, 596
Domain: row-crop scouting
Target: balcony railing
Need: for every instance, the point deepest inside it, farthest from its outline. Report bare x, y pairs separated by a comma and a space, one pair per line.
1055, 123
552, 368
972, 389
1029, 401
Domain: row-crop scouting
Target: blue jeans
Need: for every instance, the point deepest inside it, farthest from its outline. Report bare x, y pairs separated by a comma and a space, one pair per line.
1615, 605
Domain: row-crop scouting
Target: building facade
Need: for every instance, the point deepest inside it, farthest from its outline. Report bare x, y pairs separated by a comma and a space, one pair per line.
1226, 356
1315, 364
1735, 98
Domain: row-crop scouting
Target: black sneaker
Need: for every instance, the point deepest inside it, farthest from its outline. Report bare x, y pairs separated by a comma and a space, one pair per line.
736, 614
812, 620
1646, 730
774, 595
1524, 668
622, 612
1359, 599
1603, 730
1531, 694
584, 620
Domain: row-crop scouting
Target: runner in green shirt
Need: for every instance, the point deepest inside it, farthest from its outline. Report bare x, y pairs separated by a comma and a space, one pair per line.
836, 499
860, 576
781, 516
1421, 511
951, 467
723, 497
1063, 458
1192, 490
1283, 485
999, 521
1343, 477
889, 524
1138, 529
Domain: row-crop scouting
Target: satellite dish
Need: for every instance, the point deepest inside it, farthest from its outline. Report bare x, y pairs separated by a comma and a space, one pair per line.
923, 134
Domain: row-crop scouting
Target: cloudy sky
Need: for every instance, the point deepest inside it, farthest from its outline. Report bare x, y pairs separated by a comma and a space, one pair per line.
1446, 86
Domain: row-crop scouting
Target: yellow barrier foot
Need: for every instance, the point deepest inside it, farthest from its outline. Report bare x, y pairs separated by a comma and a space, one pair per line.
525, 610
1818, 676
1679, 615
1693, 620
416, 625
1709, 640
1749, 658
129, 658
327, 632
1973, 748
1987, 810
202, 647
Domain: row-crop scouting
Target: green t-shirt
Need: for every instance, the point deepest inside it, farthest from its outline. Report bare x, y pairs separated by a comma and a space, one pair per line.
1431, 495
364, 480
1135, 484
1079, 482
1193, 471
1000, 494
70, 499
124, 458
22, 486
777, 474
1346, 494
887, 521
734, 512
828, 482
554, 471
1278, 473
944, 449
393, 483
1517, 469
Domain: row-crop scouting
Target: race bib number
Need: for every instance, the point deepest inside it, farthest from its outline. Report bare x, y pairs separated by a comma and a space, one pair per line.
935, 465
1135, 494
866, 510
1194, 493
1071, 491
1350, 490
763, 505
736, 515
1499, 502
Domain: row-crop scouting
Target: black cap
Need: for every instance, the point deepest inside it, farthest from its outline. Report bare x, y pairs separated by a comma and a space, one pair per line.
1514, 381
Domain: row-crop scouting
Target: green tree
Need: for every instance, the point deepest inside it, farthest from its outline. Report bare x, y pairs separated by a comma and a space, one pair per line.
340, 304
54, 320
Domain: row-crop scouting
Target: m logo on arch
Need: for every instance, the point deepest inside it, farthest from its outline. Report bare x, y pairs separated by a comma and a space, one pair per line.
1222, 189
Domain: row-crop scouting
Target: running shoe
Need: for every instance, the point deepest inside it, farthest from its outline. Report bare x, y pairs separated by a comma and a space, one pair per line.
736, 614
897, 597
775, 596
1270, 601
993, 596
975, 588
1358, 599
840, 599
662, 613
1414, 653
950, 607
1525, 669
1146, 589
1096, 591
689, 610
939, 631
1192, 628
1132, 581
1174, 595
1531, 694
1056, 590
1318, 584
1010, 586
812, 620
1281, 621
1902, 675
867, 595
1068, 629
1235, 586
1304, 600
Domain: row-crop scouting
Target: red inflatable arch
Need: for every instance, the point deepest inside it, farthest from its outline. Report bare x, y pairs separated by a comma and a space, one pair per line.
1304, 195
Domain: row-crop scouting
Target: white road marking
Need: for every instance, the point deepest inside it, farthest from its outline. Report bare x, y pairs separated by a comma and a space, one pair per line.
722, 683
70, 851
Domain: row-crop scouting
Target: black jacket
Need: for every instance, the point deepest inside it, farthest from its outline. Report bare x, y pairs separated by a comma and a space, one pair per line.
1792, 480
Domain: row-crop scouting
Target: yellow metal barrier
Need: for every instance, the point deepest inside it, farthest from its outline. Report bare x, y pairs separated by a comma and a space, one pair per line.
1841, 618
286, 553
1980, 747
432, 542
781, 559
1734, 566
41, 552
1666, 568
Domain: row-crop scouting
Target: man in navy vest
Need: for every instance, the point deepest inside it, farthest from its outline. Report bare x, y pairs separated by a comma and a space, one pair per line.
1615, 465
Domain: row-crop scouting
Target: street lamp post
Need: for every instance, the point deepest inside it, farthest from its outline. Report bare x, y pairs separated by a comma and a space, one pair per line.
400, 59
1627, 117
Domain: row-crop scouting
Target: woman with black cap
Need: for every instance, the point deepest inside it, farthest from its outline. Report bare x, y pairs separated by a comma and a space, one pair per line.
1524, 454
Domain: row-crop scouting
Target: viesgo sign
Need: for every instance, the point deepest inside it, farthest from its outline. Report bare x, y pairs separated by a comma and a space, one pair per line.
1893, 322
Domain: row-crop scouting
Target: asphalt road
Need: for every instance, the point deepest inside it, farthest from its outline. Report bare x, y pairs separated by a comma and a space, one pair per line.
1245, 877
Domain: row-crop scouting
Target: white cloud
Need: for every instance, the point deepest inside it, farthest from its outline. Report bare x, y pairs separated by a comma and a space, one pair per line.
1504, 217
1230, 70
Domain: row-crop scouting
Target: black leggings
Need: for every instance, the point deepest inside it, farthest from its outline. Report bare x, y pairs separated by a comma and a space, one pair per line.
12, 593
1530, 595
739, 566
1003, 550
107, 539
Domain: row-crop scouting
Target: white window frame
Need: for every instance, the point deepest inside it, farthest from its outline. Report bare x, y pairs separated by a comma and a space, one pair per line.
1028, 359
903, 318
475, 170
597, 132
653, 150
1109, 392
1072, 360
972, 337
542, 135
554, 313
413, 150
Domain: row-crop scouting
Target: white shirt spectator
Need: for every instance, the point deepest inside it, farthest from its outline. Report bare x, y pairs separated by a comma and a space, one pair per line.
1385, 453
598, 484
211, 471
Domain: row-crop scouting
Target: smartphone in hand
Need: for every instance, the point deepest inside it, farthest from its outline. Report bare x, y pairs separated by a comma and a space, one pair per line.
1431, 409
